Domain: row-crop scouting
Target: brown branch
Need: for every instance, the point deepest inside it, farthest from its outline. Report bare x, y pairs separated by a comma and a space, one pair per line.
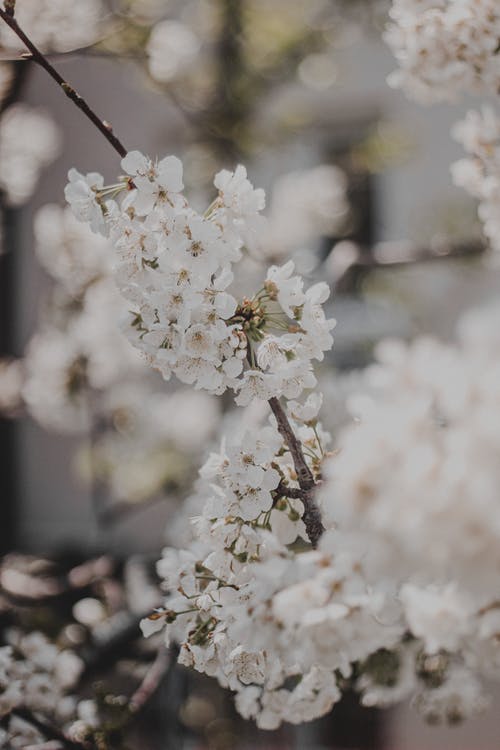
312, 515
38, 57
295, 493
304, 473
151, 681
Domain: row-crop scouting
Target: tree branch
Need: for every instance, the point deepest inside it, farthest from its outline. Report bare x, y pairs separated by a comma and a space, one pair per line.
38, 57
304, 473
295, 493
151, 681
312, 516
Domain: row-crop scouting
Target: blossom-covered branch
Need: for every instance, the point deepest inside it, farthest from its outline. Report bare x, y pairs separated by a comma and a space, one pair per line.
305, 571
174, 266
244, 203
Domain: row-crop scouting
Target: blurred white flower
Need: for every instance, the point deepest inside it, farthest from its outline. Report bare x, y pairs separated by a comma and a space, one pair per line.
445, 47
479, 175
71, 254
56, 25
29, 141
416, 481
304, 207
172, 48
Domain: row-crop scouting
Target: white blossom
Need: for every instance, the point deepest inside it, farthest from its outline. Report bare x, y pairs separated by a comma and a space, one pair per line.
172, 49
29, 142
156, 183
400, 595
68, 251
428, 417
35, 674
445, 47
441, 616
459, 697
479, 174
174, 268
82, 193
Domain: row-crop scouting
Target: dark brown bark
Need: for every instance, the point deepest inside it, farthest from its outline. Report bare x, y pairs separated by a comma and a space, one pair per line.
312, 515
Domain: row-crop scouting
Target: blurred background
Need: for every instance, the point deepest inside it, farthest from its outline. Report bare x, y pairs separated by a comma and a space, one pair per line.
98, 454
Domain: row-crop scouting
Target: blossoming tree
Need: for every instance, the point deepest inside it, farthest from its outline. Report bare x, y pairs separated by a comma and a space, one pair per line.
309, 570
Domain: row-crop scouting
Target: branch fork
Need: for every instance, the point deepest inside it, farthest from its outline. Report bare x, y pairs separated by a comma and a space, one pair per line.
312, 515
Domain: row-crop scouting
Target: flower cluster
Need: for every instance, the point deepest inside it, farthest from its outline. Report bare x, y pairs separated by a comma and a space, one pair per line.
441, 686
174, 266
29, 141
80, 374
445, 47
414, 490
249, 601
479, 133
35, 675
394, 590
286, 627
77, 348
55, 688
68, 252
430, 418
274, 625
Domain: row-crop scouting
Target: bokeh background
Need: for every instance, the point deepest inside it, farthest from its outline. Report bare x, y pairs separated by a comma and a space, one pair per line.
359, 194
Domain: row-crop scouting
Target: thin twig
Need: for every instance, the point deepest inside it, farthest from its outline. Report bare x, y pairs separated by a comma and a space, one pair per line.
38, 57
295, 493
151, 681
312, 515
